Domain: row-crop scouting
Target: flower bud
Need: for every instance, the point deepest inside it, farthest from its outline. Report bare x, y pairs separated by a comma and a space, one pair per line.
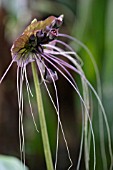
53, 34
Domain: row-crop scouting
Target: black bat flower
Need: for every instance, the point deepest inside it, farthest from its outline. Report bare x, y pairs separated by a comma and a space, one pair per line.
39, 43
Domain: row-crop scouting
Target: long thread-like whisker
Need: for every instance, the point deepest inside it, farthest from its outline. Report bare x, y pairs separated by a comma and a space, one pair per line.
56, 60
99, 101
59, 121
60, 126
86, 100
87, 141
28, 92
91, 115
6, 71
89, 53
57, 107
66, 54
80, 99
57, 53
27, 82
21, 114
18, 93
102, 144
20, 103
82, 135
82, 138
79, 60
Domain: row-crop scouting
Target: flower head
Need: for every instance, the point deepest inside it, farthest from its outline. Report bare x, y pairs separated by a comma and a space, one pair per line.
33, 37
29, 46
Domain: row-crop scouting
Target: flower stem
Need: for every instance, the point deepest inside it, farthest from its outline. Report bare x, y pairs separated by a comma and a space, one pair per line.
42, 120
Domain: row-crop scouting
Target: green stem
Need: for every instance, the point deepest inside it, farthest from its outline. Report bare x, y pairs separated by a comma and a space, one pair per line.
42, 120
